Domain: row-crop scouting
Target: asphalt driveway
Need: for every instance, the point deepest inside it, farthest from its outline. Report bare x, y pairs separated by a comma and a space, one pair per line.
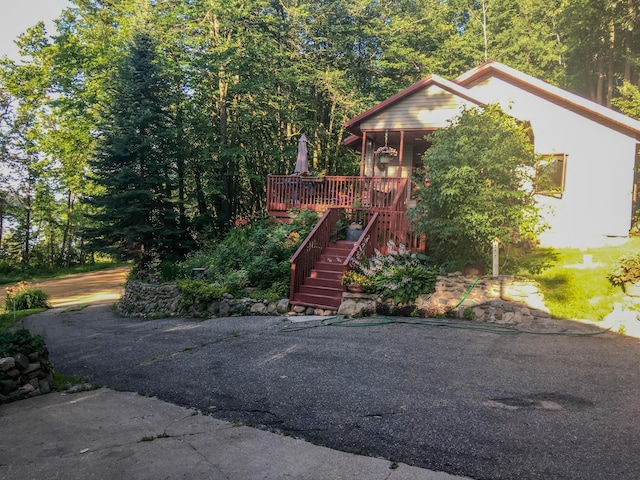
479, 403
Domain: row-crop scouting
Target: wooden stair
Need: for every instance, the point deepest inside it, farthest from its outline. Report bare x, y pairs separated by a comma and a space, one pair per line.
323, 287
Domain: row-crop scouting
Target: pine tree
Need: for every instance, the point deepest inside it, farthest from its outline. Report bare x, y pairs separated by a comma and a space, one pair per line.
133, 163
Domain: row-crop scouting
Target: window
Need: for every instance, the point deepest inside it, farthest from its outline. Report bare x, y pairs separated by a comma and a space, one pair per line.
550, 174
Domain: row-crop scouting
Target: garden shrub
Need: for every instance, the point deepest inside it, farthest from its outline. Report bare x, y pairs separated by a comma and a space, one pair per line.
400, 275
199, 291
476, 187
259, 251
20, 341
25, 296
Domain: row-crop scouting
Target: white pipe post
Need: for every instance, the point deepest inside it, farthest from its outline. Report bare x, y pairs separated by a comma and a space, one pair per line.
496, 257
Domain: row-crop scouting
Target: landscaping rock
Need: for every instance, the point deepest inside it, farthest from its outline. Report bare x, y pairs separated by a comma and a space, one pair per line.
224, 309
505, 300
7, 386
22, 361
283, 306
143, 300
7, 363
259, 309
25, 389
356, 303
44, 386
26, 377
12, 373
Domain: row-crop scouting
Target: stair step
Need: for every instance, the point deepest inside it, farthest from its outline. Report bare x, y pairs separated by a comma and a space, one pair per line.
324, 275
323, 287
343, 244
329, 266
320, 290
321, 301
333, 258
334, 282
334, 248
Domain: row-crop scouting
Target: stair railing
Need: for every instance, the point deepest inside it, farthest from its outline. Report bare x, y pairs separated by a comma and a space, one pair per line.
366, 244
310, 250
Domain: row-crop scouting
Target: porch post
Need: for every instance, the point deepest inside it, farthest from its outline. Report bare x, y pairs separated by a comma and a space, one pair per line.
363, 155
401, 153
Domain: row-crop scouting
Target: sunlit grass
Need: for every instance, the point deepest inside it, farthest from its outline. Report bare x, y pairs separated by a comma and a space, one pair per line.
572, 289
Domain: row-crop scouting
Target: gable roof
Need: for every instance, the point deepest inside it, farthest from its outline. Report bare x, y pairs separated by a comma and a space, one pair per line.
352, 125
576, 103
463, 87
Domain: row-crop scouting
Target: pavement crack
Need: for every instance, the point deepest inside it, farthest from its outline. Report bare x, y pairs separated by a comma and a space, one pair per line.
208, 462
189, 348
379, 414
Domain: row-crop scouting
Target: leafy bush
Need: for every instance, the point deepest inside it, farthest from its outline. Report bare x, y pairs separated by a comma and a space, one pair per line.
400, 274
403, 285
236, 281
199, 291
626, 270
474, 187
25, 296
20, 341
256, 254
170, 271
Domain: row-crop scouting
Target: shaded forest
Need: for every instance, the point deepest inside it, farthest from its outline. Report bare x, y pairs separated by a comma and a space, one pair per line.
150, 126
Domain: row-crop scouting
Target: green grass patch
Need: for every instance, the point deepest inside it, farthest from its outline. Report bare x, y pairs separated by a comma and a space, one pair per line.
75, 308
9, 319
62, 382
570, 289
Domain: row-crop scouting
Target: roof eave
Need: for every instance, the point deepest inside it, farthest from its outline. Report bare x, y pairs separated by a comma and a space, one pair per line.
559, 96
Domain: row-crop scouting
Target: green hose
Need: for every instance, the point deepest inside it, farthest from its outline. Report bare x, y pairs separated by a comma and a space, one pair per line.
466, 294
431, 322
341, 321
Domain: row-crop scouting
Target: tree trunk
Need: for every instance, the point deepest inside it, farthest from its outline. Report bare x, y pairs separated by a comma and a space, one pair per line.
27, 234
63, 259
3, 204
600, 83
610, 66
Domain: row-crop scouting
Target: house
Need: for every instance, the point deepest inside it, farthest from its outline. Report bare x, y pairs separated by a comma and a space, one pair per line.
585, 181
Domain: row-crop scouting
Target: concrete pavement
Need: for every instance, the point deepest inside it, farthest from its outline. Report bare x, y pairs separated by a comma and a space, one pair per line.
105, 434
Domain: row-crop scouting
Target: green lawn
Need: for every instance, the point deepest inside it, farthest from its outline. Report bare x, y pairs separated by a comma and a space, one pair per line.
572, 291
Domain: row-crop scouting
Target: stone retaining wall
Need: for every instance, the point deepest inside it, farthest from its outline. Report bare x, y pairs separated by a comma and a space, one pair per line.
506, 299
144, 300
23, 376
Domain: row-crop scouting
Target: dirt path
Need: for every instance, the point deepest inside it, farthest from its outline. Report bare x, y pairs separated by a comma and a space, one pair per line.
104, 286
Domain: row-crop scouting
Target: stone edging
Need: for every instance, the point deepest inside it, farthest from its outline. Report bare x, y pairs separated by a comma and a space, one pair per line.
24, 376
505, 300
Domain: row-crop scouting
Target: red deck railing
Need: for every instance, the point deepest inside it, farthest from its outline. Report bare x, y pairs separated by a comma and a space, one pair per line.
287, 192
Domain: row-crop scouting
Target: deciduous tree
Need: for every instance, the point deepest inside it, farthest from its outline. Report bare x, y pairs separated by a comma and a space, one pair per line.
477, 172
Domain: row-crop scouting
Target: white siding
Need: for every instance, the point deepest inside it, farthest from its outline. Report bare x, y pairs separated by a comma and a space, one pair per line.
597, 200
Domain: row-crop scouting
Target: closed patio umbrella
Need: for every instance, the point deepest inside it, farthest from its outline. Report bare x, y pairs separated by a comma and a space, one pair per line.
302, 164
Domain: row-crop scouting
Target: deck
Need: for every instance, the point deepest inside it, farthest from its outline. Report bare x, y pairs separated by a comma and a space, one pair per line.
287, 192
